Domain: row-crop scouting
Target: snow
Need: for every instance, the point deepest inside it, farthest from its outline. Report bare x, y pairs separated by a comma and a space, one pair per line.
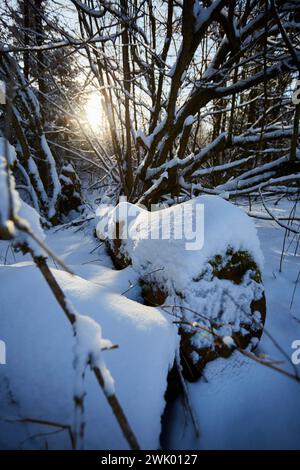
189, 121
252, 176
30, 219
202, 15
218, 225
32, 167
69, 168
228, 340
54, 176
89, 343
40, 350
11, 153
242, 404
28, 216
173, 250
191, 158
147, 140
65, 179
155, 184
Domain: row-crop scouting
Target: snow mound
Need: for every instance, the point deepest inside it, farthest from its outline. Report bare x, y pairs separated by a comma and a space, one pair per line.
202, 259
39, 380
211, 221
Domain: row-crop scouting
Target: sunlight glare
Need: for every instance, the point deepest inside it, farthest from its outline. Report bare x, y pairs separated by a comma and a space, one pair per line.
93, 111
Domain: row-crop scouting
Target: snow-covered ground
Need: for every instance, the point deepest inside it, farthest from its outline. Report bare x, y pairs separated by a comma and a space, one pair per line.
244, 405
239, 404
38, 380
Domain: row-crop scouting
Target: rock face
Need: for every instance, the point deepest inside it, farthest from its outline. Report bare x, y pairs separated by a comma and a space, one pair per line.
214, 294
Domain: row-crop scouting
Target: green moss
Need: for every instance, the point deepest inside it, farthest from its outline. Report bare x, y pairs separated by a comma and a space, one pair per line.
232, 266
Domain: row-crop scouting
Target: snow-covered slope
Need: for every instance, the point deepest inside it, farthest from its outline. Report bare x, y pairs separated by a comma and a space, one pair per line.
38, 380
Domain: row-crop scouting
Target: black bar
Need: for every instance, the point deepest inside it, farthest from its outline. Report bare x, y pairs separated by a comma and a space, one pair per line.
134, 459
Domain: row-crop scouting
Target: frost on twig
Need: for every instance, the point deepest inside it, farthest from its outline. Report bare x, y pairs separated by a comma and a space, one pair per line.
88, 350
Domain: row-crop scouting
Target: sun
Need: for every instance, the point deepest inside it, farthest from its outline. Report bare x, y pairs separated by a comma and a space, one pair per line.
94, 111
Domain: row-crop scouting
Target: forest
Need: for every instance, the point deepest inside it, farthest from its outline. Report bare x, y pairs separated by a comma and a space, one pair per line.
149, 225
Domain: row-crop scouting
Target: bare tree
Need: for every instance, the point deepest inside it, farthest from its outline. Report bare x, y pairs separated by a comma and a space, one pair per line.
196, 94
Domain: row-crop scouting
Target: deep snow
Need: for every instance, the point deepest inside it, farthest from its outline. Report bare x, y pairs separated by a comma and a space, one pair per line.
38, 380
174, 249
243, 404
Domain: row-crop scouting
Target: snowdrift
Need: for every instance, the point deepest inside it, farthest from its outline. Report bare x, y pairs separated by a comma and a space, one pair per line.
38, 381
207, 277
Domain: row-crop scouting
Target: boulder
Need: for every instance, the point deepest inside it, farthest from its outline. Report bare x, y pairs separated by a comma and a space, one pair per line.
210, 286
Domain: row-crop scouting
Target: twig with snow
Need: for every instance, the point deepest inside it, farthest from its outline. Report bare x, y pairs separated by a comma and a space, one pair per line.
100, 373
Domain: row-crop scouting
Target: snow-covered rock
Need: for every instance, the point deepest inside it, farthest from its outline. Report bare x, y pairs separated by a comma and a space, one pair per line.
202, 258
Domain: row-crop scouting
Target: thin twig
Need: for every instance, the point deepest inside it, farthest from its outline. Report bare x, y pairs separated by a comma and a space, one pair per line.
45, 422
274, 218
137, 283
187, 397
245, 353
